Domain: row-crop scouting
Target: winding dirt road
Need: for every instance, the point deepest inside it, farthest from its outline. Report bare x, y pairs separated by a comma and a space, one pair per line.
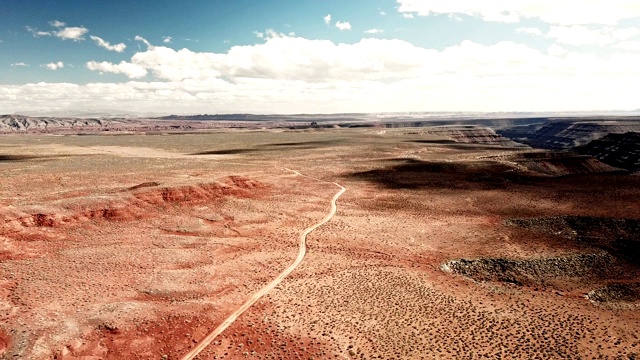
301, 253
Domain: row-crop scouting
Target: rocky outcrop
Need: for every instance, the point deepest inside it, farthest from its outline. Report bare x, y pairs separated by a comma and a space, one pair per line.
534, 271
11, 123
616, 293
609, 259
50, 125
560, 163
566, 134
469, 134
136, 202
619, 150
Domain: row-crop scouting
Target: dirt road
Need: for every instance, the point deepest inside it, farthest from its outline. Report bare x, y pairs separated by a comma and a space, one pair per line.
301, 253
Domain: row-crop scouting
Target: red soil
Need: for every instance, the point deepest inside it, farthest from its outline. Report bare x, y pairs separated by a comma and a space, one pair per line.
168, 336
58, 227
145, 259
252, 335
4, 342
14, 222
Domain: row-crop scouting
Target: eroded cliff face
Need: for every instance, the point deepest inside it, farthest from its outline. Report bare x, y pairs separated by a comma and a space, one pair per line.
566, 134
10, 123
64, 125
619, 150
469, 134
560, 163
479, 136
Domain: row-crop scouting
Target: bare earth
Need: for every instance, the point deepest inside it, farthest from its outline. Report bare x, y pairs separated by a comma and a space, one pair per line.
139, 246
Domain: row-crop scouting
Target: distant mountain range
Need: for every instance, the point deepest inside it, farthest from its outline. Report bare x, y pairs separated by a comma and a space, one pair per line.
615, 140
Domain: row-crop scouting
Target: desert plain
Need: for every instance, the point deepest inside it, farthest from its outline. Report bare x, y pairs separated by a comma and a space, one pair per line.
137, 246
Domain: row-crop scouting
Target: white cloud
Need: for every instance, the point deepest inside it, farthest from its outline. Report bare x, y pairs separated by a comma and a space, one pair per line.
383, 13
580, 35
270, 33
19, 64
629, 45
290, 74
557, 50
56, 23
71, 33
562, 12
105, 44
530, 31
327, 19
167, 39
64, 33
374, 31
143, 40
284, 57
343, 25
54, 65
408, 16
624, 33
37, 33
130, 70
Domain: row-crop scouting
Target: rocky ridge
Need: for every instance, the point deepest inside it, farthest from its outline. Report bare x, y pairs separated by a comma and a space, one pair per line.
20, 123
616, 292
534, 271
559, 163
608, 267
565, 134
620, 150
469, 134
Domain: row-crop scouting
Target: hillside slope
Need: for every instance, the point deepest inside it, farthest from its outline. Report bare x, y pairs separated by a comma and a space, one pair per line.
619, 150
566, 134
9, 123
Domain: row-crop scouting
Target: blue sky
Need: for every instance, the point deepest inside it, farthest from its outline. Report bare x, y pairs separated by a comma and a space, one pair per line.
284, 56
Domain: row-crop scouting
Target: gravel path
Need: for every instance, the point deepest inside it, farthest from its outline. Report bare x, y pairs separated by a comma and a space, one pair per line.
301, 253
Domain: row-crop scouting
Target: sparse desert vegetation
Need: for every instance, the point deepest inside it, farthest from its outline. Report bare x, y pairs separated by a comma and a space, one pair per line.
139, 245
